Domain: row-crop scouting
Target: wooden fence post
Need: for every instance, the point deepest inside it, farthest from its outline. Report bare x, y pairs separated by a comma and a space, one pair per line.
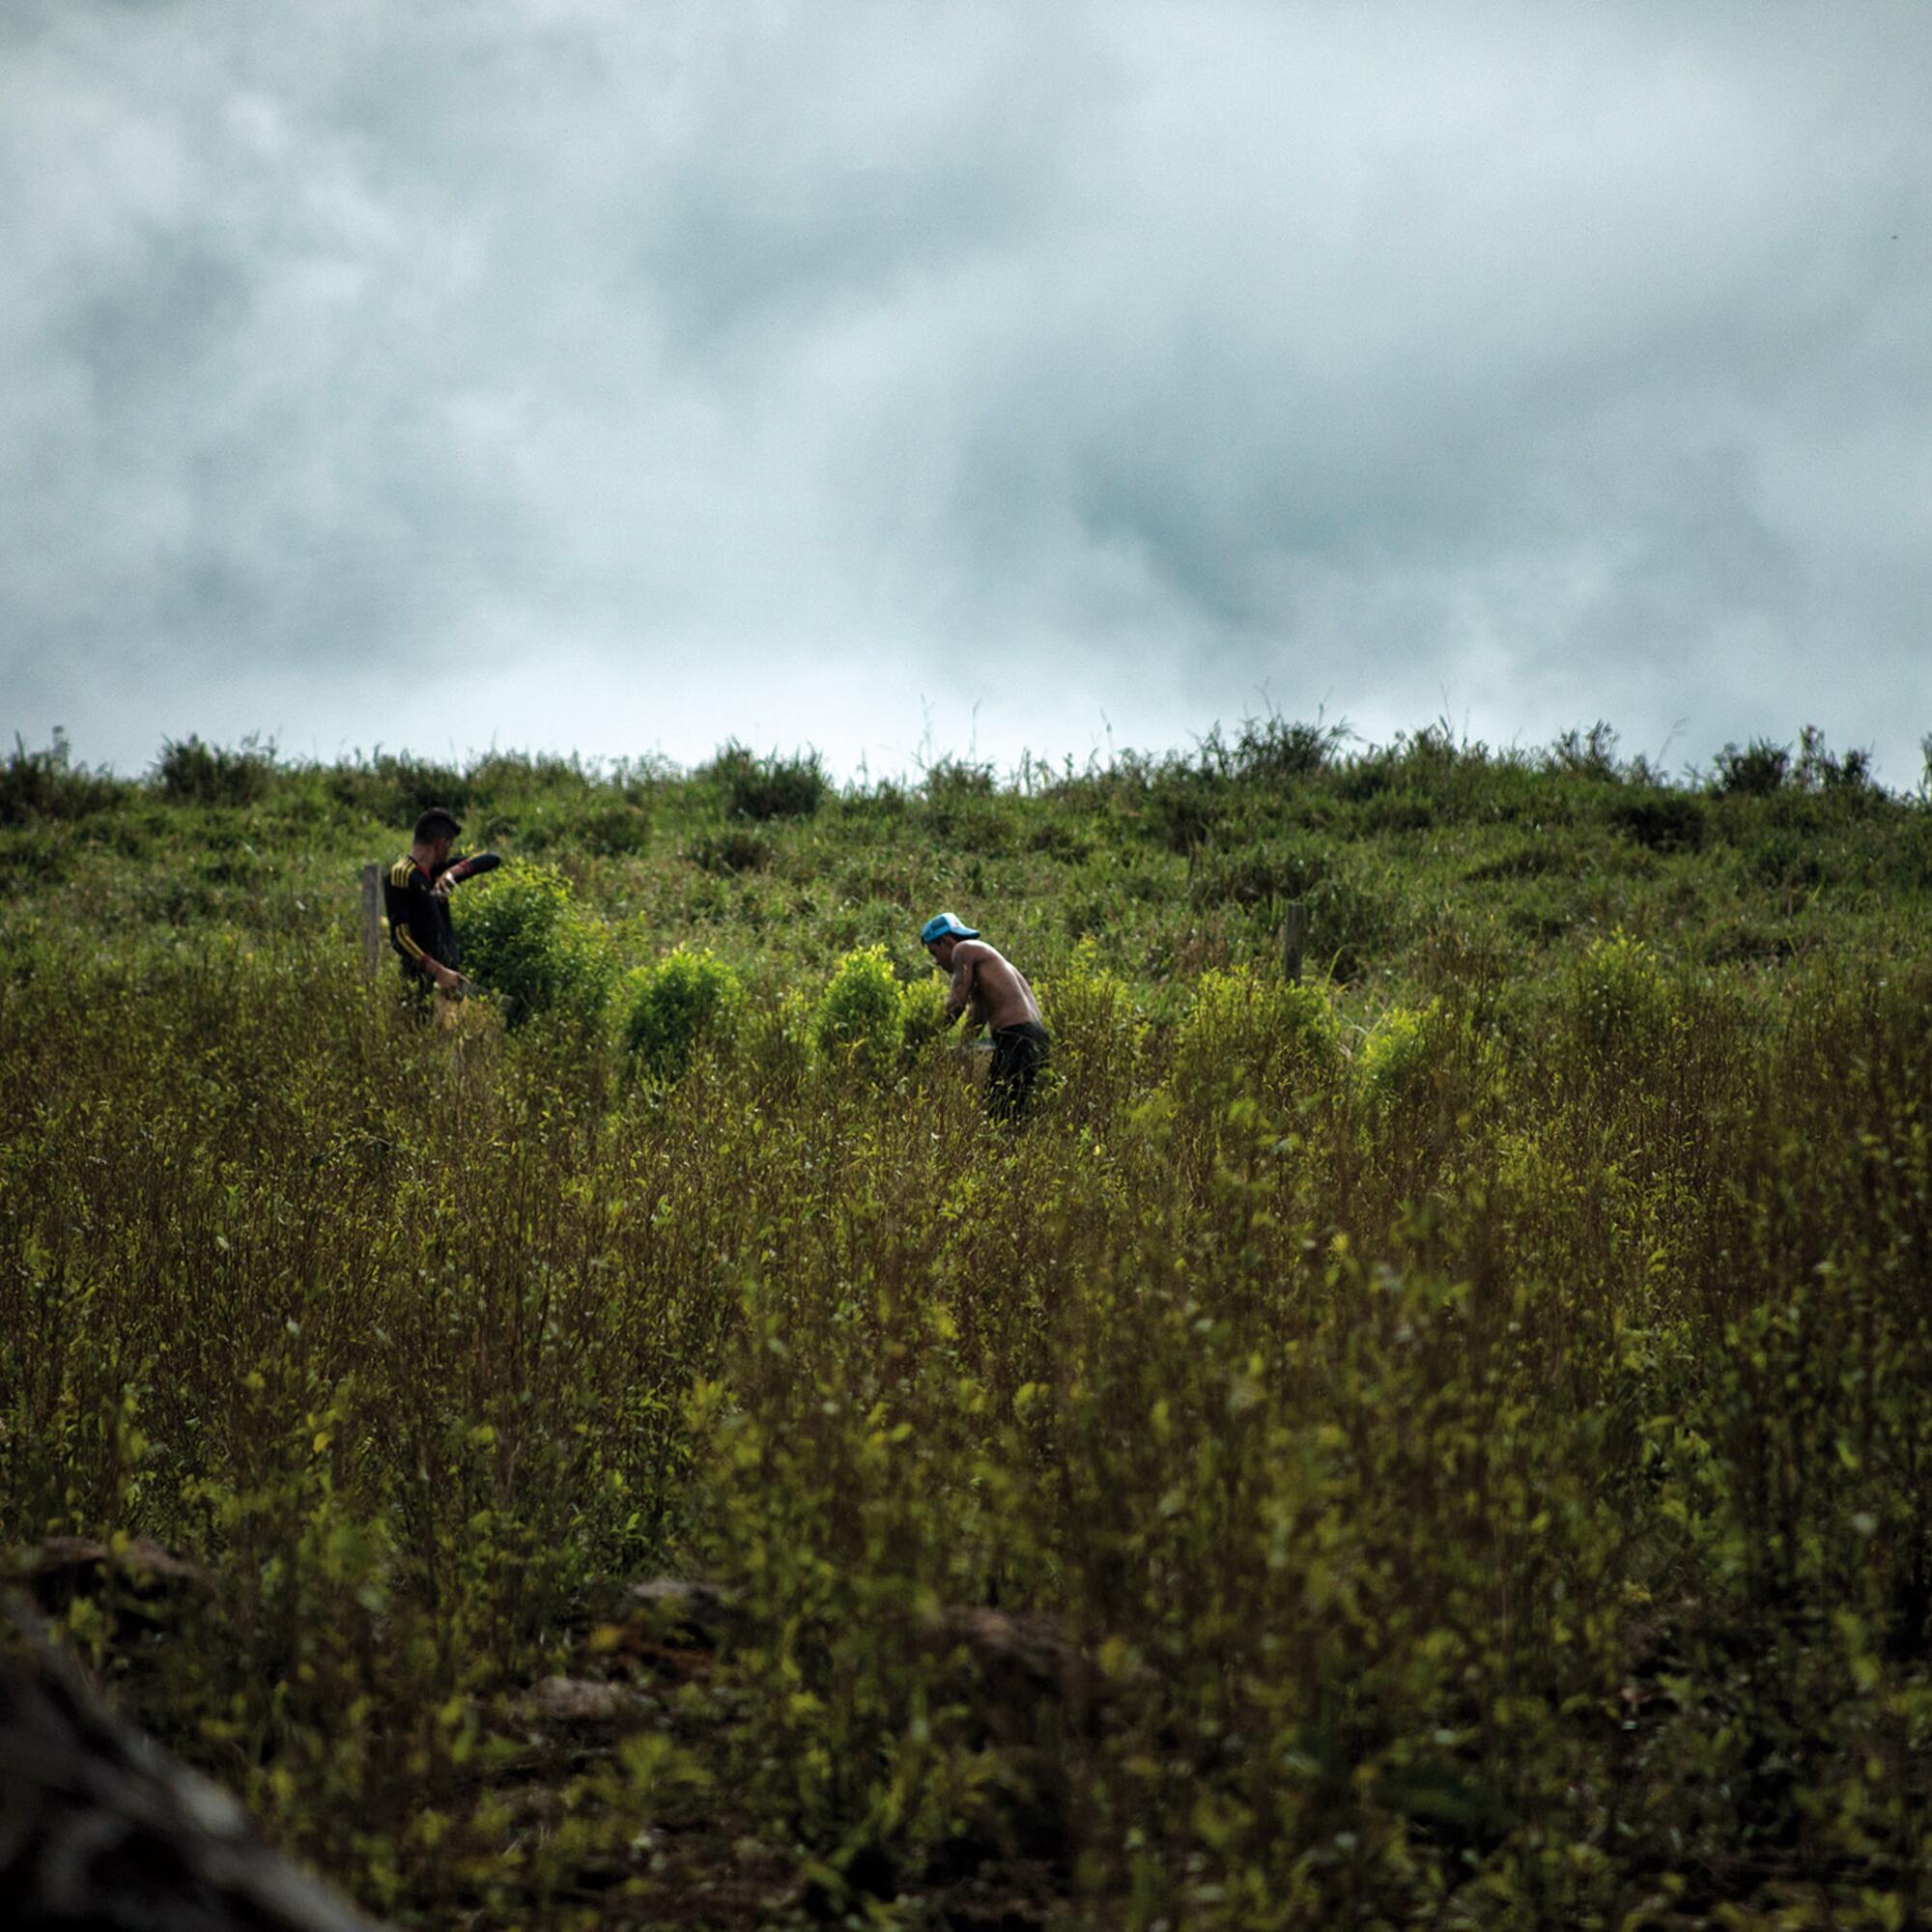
1293, 934
372, 919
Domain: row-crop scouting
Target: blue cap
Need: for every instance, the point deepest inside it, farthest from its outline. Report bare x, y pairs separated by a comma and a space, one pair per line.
940, 925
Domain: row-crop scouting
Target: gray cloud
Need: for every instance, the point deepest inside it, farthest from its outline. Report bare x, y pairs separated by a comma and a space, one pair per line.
562, 371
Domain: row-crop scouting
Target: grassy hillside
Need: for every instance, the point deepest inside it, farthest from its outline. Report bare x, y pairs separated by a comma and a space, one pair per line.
1445, 1443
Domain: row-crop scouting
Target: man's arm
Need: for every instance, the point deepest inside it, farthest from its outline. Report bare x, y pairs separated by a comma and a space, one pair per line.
453, 875
962, 995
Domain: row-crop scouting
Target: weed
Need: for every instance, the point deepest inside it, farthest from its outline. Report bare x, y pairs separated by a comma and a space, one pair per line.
687, 1002
525, 937
862, 1016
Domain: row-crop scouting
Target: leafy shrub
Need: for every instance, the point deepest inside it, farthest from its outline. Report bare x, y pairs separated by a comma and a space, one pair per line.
1430, 777
1100, 1034
770, 787
1415, 1055
525, 937
687, 1000
1620, 997
861, 1018
48, 784
191, 772
1249, 1032
923, 1012
1395, 1058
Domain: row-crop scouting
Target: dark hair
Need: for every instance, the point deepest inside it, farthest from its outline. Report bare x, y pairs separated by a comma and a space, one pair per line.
438, 822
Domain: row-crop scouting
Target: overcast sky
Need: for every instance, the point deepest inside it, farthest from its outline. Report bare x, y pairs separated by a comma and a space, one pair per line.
906, 380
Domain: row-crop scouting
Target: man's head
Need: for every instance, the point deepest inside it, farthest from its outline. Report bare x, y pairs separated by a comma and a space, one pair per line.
940, 934
435, 831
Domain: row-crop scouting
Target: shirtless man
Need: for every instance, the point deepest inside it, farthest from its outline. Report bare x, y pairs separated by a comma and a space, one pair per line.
992, 992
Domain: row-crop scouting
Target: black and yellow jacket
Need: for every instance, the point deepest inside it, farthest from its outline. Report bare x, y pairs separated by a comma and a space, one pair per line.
418, 916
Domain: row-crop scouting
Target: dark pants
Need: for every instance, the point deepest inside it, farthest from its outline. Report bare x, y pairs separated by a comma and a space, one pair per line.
1019, 1052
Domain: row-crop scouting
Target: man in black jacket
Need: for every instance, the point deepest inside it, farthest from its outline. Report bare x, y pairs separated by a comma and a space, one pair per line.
416, 896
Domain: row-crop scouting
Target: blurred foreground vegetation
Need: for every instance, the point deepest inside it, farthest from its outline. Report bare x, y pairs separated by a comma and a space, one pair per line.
1445, 1443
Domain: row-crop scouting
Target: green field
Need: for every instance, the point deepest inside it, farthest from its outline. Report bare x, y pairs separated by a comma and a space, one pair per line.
1443, 1443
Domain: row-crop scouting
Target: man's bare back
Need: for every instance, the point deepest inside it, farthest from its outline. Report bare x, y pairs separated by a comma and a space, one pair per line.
993, 992
988, 988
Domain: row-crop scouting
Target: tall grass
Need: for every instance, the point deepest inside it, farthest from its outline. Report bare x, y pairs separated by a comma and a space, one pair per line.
1457, 1434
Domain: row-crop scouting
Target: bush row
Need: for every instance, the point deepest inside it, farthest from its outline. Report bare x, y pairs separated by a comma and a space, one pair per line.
1426, 774
1242, 1032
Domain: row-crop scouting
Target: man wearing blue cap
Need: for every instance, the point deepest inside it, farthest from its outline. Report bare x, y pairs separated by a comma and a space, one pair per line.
993, 992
